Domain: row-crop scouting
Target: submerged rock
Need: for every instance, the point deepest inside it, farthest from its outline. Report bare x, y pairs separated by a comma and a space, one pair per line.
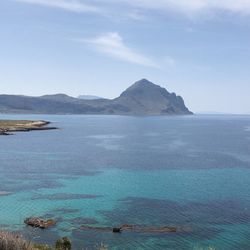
134, 228
40, 223
117, 230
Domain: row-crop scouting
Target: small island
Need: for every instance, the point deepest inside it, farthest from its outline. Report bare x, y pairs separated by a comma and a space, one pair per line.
7, 127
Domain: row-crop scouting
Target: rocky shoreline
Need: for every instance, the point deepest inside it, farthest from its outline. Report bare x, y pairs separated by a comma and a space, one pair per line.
7, 127
46, 223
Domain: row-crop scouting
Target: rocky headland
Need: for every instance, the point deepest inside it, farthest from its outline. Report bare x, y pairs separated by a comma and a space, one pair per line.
7, 127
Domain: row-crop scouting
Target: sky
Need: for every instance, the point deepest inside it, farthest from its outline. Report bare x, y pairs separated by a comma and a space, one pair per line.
199, 49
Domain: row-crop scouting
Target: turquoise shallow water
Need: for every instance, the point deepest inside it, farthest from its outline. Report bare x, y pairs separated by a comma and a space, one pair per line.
189, 172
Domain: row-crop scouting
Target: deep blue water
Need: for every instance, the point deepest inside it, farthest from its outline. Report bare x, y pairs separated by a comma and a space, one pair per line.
190, 172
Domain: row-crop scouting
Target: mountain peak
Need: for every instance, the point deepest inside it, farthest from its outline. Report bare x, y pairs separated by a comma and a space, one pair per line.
143, 83
148, 98
142, 87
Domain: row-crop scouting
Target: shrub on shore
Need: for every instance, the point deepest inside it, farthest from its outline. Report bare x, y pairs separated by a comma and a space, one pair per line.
12, 241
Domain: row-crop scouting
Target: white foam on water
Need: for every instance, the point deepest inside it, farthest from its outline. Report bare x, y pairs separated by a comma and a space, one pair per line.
4, 193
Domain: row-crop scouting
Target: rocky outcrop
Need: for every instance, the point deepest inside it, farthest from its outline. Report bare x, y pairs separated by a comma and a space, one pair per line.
39, 223
117, 230
4, 131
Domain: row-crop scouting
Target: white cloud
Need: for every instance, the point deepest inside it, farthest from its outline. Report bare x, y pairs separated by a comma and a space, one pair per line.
187, 7
69, 5
192, 6
112, 45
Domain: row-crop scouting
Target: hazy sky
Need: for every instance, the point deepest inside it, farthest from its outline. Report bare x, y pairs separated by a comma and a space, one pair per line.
199, 49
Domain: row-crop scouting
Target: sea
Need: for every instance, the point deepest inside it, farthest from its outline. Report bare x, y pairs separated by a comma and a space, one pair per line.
188, 172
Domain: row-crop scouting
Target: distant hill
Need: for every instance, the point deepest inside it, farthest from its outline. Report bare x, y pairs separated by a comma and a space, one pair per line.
89, 97
142, 98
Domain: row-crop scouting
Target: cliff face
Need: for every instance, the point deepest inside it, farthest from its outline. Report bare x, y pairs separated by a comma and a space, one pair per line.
142, 98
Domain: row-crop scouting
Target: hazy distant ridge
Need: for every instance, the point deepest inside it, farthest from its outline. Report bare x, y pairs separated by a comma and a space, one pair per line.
89, 97
142, 98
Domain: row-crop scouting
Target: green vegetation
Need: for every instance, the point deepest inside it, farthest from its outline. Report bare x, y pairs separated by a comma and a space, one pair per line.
63, 244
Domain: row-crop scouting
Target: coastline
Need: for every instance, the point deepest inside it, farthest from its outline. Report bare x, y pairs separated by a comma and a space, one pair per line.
7, 127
